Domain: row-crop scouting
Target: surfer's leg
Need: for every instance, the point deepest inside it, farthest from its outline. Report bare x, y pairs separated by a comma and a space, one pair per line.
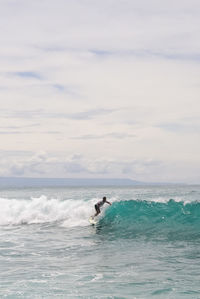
97, 210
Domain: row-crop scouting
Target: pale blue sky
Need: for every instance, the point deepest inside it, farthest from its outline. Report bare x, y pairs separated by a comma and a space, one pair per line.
100, 89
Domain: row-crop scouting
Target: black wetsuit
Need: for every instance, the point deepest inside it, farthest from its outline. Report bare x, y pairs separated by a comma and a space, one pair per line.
98, 205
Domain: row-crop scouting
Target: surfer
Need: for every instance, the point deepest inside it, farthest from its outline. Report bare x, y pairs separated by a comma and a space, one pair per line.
100, 204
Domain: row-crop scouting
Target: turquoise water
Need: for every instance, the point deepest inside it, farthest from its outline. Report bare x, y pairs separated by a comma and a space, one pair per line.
146, 245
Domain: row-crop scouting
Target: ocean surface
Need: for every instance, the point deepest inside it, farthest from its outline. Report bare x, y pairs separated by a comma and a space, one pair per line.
146, 245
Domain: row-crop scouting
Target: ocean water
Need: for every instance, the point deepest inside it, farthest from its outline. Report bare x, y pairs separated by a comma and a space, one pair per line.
146, 245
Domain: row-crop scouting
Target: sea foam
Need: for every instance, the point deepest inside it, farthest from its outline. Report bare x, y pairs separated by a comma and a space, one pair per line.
43, 210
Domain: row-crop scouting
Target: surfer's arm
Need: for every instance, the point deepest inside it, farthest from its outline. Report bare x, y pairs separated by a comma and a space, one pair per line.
108, 202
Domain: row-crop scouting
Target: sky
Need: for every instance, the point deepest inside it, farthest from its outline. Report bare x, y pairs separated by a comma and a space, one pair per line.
100, 89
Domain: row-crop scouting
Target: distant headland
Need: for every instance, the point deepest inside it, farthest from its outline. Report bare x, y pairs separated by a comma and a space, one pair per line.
64, 182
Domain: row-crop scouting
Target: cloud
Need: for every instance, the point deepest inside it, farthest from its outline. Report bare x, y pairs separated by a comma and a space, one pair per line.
78, 166
28, 132
13, 132
183, 126
59, 87
90, 114
81, 165
14, 153
27, 75
40, 164
20, 127
32, 165
148, 54
103, 26
40, 113
105, 136
102, 53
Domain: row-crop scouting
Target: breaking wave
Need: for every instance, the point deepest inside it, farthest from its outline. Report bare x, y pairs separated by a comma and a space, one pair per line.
67, 213
172, 219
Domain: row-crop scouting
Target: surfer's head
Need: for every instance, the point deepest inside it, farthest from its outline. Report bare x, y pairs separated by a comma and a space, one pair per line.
104, 198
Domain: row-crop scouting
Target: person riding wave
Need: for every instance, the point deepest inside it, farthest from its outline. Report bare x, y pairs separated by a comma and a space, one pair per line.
100, 204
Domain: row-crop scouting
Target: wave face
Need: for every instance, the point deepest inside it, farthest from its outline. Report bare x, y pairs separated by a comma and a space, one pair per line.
172, 220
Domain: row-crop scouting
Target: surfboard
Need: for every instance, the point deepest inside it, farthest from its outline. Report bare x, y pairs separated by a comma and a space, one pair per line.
92, 221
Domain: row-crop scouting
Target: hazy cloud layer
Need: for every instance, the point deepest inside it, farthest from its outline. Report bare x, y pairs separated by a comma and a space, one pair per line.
117, 82
77, 166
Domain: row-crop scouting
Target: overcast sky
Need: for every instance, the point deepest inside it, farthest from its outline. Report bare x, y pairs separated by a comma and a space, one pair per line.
100, 89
